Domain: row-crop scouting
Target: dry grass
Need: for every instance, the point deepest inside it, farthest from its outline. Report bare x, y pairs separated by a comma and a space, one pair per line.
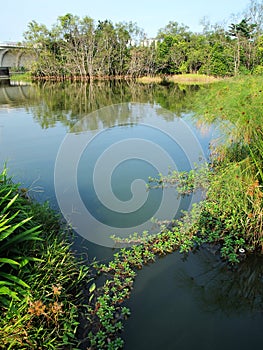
180, 79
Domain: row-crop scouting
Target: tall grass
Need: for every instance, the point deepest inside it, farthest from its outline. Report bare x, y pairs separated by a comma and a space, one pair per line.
235, 194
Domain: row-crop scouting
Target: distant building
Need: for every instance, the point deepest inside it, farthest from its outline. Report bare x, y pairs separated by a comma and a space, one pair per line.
148, 42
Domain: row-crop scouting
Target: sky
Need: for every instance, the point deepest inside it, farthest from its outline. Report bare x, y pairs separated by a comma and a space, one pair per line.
151, 15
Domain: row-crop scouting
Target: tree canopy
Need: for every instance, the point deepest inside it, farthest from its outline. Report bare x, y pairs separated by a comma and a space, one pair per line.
85, 49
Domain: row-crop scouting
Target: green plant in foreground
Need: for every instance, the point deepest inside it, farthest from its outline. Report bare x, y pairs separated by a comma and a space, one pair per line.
49, 282
16, 230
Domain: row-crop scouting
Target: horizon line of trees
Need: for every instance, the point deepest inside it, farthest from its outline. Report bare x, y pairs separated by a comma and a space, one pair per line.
81, 48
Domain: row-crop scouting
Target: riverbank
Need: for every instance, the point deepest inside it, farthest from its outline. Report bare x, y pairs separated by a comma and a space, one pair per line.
187, 79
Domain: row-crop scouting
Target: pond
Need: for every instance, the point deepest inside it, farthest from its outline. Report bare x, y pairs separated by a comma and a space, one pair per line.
89, 149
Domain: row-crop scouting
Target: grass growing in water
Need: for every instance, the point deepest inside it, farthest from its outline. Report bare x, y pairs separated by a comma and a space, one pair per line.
235, 196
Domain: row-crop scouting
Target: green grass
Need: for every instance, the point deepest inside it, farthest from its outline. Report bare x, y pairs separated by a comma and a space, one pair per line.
43, 285
21, 77
235, 194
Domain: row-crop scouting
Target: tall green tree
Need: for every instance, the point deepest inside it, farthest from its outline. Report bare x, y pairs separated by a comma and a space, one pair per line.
243, 35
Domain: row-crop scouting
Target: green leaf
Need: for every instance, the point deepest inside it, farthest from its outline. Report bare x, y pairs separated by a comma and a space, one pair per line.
92, 287
15, 279
8, 261
7, 291
28, 235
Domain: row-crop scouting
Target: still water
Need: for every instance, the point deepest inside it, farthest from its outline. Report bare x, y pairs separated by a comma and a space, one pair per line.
88, 149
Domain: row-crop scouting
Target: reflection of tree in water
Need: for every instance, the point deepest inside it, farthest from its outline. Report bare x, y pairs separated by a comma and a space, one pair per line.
219, 287
69, 102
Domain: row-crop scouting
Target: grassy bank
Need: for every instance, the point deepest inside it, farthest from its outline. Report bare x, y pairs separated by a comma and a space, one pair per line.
231, 215
188, 79
235, 193
42, 285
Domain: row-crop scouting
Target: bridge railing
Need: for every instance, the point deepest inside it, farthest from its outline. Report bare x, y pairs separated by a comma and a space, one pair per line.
11, 44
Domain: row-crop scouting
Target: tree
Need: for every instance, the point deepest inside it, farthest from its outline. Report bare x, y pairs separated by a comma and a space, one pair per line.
174, 29
77, 44
243, 34
197, 53
41, 41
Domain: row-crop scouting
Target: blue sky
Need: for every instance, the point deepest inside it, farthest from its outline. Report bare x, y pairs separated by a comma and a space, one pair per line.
150, 15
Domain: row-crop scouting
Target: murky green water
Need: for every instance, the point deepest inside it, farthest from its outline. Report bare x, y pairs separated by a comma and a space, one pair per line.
53, 136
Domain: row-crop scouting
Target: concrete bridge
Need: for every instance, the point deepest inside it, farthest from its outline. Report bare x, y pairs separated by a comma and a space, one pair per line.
15, 55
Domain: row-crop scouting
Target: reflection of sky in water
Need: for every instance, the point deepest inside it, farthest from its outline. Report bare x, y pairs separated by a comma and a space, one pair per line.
33, 126
125, 173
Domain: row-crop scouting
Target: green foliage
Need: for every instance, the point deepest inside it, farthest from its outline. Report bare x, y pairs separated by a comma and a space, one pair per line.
106, 311
41, 283
16, 232
221, 62
258, 70
235, 194
243, 29
80, 48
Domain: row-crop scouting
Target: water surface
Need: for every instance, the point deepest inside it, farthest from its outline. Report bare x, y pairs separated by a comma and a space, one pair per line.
177, 303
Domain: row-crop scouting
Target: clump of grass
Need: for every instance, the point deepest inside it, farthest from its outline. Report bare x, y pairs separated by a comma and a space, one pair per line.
42, 303
192, 79
187, 79
150, 80
17, 230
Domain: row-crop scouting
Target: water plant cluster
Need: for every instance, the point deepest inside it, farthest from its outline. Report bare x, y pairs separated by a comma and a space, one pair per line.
106, 311
42, 285
234, 203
